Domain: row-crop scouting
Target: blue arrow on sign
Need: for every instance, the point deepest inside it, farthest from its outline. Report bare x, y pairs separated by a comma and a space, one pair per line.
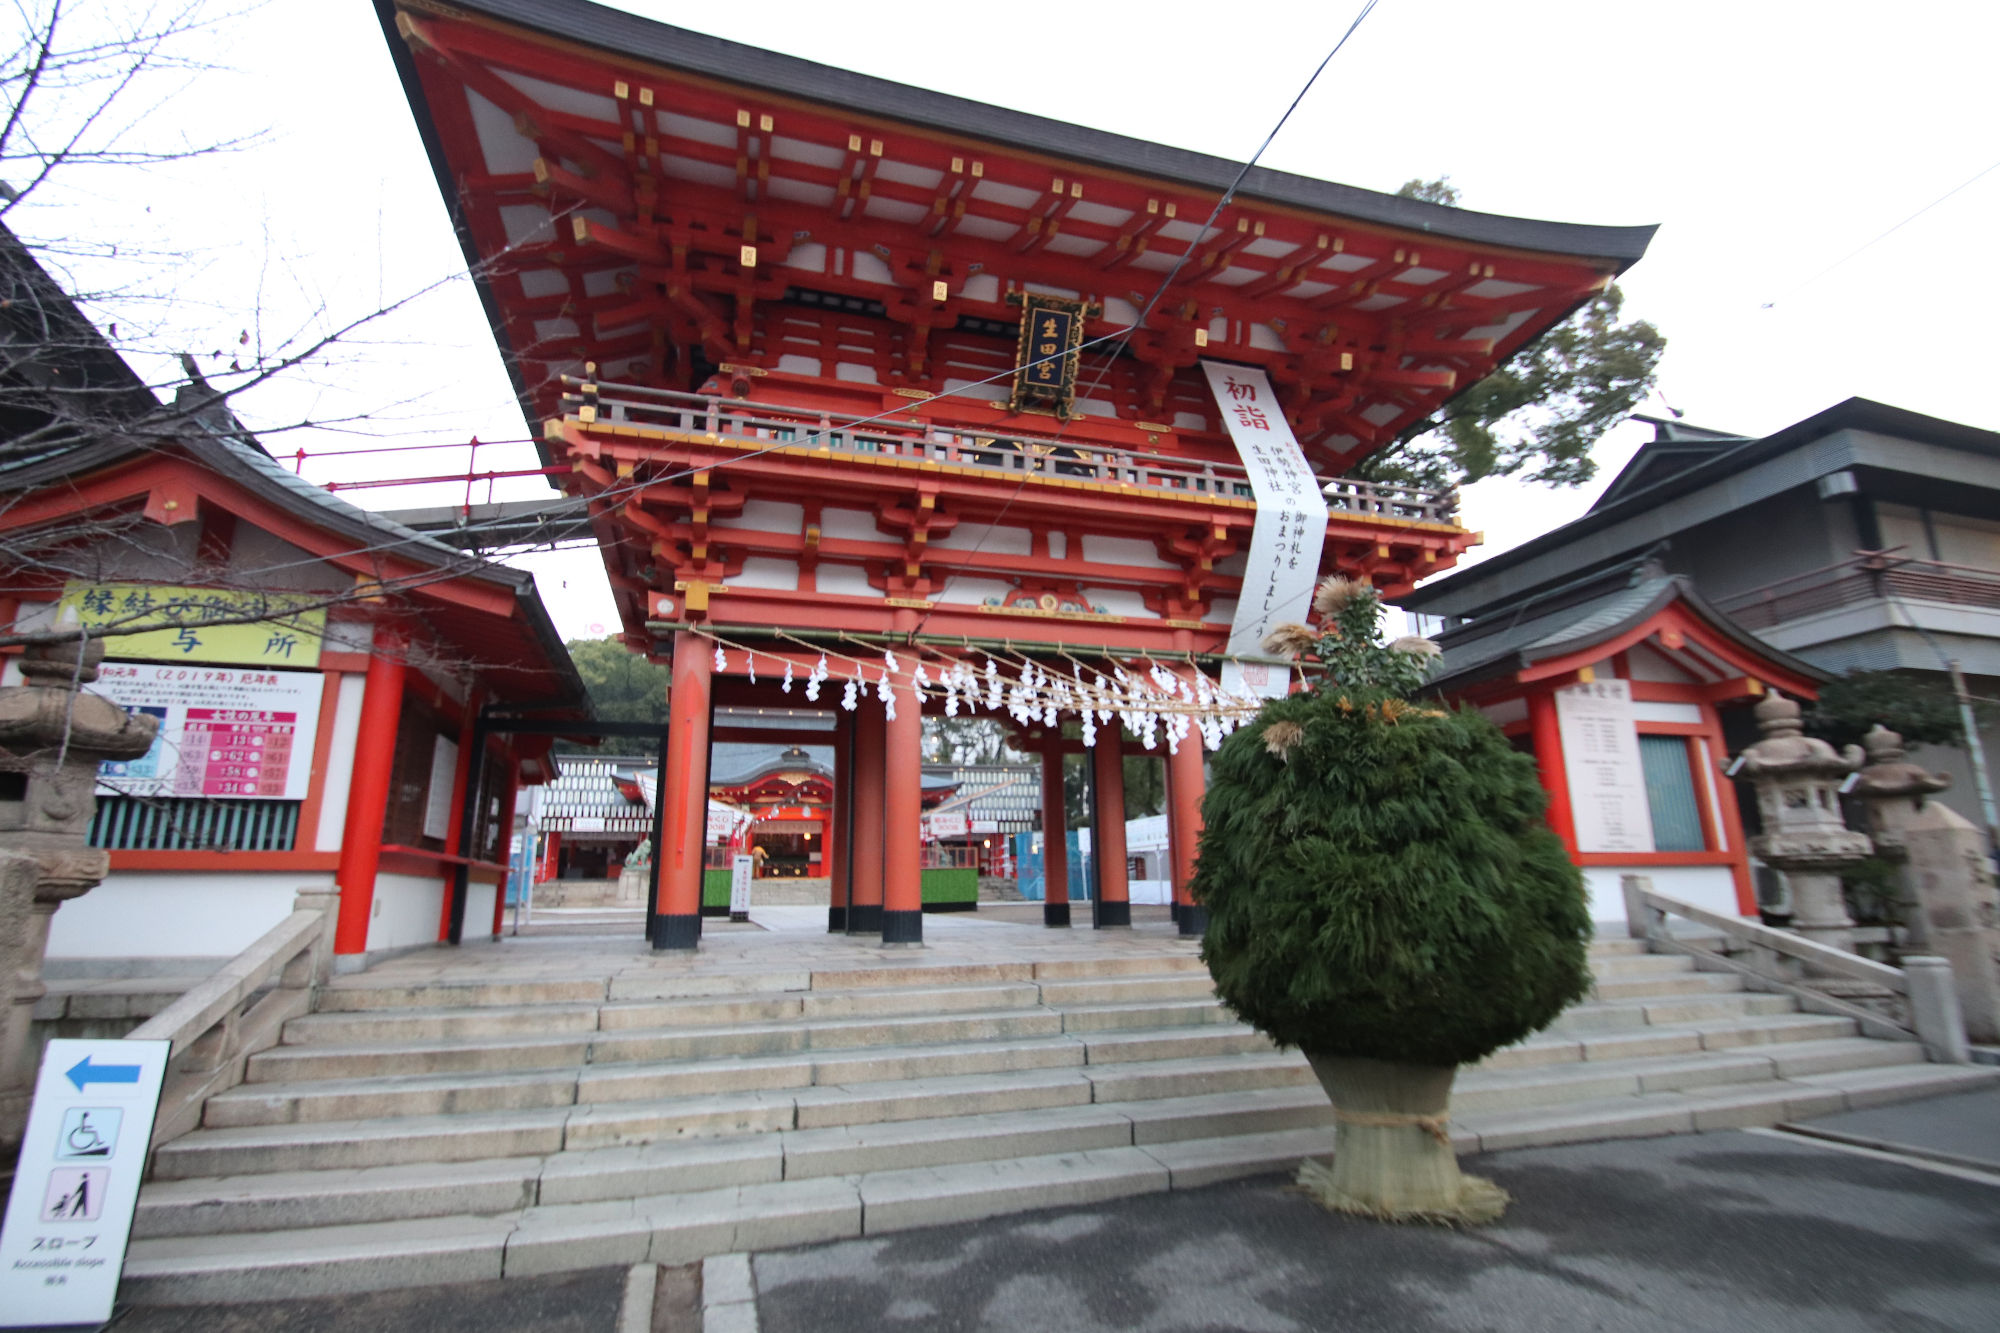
83, 1072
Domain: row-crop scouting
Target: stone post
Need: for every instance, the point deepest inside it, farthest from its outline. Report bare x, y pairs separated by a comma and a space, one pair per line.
52, 738
1951, 907
1798, 781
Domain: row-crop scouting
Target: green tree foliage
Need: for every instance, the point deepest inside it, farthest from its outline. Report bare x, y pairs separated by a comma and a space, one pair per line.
1539, 414
1379, 877
624, 687
1918, 706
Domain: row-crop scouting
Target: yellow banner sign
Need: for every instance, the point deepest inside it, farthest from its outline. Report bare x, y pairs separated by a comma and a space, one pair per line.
148, 620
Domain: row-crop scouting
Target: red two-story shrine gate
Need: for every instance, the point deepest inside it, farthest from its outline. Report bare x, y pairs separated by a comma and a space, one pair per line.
768, 314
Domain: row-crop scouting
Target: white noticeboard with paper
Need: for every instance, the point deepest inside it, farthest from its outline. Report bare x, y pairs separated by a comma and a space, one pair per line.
1607, 780
742, 868
62, 1249
1283, 562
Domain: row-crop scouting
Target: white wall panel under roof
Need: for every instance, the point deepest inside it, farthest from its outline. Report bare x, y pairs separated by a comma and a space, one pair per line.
1222, 611
1101, 215
791, 363
526, 224
1120, 311
1190, 421
1380, 414
505, 151
971, 592
787, 149
1133, 551
866, 266
1045, 289
1269, 247
985, 229
894, 210
1001, 540
701, 131
808, 255
981, 286
1062, 243
1503, 328
856, 525
1266, 338
1494, 288
536, 282
1236, 276
1344, 263
1306, 291
562, 97
844, 580
908, 173
1182, 230
766, 572
1159, 261
701, 173
547, 329
605, 281
1012, 196
854, 372
801, 192
1420, 277
1117, 602
1379, 301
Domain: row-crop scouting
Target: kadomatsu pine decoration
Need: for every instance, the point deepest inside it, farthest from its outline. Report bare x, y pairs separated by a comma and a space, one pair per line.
1384, 893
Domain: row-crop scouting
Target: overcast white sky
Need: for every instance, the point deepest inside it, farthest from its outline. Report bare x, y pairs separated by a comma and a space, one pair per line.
1768, 138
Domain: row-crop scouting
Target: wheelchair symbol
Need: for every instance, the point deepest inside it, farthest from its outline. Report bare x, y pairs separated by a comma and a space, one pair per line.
88, 1132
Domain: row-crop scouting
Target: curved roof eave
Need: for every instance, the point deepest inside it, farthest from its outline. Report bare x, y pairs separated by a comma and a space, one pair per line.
629, 36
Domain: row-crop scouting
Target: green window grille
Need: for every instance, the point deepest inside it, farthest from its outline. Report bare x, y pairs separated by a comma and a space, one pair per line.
193, 824
1670, 794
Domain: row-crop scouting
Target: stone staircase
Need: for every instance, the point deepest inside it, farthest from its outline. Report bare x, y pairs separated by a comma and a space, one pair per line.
459, 1130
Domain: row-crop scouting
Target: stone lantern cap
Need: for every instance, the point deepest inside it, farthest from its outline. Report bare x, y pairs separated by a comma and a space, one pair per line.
1786, 752
1889, 774
46, 715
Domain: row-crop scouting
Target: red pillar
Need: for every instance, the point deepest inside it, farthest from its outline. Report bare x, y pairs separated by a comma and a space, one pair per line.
1114, 900
1547, 736
902, 824
368, 794
1055, 840
864, 913
834, 852
1184, 789
684, 786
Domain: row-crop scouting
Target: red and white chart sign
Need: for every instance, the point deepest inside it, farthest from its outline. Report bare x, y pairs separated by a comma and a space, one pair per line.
1283, 563
238, 732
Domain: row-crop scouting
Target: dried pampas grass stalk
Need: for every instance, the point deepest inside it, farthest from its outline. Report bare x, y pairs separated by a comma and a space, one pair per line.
1335, 592
1289, 639
1416, 645
1280, 737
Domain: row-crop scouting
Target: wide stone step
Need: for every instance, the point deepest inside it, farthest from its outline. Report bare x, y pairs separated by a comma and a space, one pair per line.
1668, 984
685, 1225
316, 1061
1670, 1011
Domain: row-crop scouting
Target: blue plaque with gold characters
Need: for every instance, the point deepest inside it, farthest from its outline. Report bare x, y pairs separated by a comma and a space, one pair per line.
1045, 359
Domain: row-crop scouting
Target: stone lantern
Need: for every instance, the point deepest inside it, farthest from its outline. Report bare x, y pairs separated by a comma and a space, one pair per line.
1952, 908
52, 738
1798, 781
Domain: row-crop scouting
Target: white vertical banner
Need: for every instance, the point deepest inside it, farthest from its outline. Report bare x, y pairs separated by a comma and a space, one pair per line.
1607, 779
1283, 563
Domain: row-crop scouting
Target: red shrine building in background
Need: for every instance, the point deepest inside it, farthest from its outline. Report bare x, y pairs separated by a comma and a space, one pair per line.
887, 402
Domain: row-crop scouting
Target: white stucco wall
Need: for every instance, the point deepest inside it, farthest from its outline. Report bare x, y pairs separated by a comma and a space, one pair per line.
1712, 887
339, 775
407, 910
176, 914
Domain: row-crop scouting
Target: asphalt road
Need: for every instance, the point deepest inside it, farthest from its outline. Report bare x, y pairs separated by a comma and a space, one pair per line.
1723, 1232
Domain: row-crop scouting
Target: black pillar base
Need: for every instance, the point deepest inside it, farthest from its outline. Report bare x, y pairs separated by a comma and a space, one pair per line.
676, 932
1055, 913
1174, 912
715, 909
1113, 914
865, 918
1194, 919
836, 920
902, 927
